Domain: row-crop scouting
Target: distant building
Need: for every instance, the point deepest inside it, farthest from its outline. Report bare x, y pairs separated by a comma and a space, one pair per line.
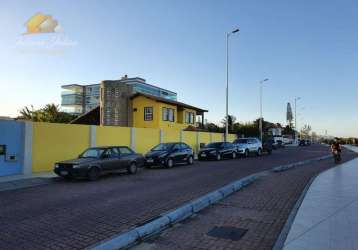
79, 99
6, 118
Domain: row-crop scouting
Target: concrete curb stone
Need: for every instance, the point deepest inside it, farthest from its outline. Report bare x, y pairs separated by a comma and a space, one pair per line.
300, 163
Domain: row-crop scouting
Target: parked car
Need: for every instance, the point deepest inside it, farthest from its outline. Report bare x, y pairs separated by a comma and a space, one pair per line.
308, 142
302, 143
169, 154
287, 139
94, 162
218, 151
247, 146
267, 146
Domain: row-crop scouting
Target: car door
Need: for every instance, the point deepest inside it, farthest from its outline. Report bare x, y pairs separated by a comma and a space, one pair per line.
126, 157
116, 159
252, 145
185, 152
109, 160
176, 154
226, 149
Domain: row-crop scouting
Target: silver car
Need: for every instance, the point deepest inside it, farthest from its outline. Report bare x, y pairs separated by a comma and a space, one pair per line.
247, 146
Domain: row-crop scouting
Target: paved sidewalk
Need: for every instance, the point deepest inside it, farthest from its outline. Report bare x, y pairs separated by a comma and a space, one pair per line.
328, 217
13, 182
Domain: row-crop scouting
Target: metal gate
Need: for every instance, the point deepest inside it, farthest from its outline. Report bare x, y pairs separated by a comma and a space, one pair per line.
11, 147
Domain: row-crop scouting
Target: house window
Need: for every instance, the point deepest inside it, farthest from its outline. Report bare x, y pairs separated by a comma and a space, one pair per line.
189, 117
148, 113
168, 114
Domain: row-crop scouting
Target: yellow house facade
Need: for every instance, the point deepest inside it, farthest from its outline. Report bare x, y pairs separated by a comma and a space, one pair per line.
156, 112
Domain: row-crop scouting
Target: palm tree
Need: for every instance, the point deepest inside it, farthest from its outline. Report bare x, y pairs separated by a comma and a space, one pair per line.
50, 113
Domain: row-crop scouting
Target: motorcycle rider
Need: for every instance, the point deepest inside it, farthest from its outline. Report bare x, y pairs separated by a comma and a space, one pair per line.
336, 150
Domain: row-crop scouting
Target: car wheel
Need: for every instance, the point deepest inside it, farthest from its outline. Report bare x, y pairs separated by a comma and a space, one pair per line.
247, 153
93, 174
218, 157
190, 160
170, 163
233, 155
259, 152
67, 177
132, 169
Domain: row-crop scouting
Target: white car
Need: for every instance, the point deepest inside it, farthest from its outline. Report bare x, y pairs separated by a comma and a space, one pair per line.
247, 146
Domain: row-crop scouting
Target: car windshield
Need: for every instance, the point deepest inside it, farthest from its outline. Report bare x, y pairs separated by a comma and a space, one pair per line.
214, 145
241, 141
92, 153
163, 147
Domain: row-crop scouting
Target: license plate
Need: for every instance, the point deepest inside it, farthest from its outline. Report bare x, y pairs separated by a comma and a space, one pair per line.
64, 172
203, 155
150, 160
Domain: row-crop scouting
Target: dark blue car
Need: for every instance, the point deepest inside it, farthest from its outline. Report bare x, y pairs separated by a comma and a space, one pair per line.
169, 154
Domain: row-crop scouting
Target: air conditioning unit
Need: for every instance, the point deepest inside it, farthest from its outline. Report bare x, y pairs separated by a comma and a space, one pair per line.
11, 157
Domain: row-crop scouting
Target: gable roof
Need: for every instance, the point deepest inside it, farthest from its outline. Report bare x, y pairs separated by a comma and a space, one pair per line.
168, 101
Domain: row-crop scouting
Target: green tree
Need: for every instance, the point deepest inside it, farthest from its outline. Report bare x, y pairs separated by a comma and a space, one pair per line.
49, 113
212, 127
231, 122
305, 131
288, 130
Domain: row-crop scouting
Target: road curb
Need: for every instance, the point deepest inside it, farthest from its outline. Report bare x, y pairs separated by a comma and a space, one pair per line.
26, 183
300, 163
167, 219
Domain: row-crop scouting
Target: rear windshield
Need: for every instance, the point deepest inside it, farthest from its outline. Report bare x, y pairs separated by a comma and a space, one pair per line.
214, 145
92, 153
241, 141
163, 147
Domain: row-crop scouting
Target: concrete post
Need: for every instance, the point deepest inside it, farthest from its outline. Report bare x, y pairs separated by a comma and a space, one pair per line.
93, 136
27, 169
133, 139
197, 142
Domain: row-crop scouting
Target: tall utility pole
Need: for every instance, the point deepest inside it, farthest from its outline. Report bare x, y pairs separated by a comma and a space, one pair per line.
227, 82
261, 83
296, 99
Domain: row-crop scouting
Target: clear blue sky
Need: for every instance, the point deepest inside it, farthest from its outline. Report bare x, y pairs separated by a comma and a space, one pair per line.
306, 48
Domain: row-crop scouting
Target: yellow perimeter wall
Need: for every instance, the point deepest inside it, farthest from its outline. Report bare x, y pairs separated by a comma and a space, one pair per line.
53, 142
57, 142
112, 136
145, 139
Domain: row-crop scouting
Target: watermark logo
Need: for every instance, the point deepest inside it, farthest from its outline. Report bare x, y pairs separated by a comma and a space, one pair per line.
43, 35
41, 23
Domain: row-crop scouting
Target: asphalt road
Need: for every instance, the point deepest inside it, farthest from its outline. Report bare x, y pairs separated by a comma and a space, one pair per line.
77, 214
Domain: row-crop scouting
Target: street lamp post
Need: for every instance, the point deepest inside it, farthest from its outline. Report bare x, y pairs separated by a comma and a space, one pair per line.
261, 83
296, 99
227, 82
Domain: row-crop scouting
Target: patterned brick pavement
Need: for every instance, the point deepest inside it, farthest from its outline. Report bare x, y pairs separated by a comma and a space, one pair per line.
262, 208
77, 214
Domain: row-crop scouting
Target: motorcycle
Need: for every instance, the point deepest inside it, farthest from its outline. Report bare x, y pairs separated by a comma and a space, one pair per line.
337, 156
